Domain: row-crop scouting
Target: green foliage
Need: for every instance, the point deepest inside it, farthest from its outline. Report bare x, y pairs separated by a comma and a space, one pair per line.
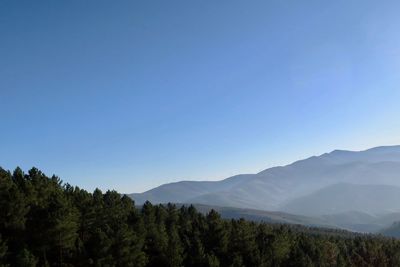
3, 252
44, 222
26, 259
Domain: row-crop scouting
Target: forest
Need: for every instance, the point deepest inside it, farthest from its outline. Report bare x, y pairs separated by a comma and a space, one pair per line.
45, 222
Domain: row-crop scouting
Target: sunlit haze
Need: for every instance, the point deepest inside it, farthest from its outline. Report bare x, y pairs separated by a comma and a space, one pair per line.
129, 95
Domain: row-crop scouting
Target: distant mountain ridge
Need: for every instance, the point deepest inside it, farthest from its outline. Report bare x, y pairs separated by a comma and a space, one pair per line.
393, 230
343, 197
273, 188
351, 220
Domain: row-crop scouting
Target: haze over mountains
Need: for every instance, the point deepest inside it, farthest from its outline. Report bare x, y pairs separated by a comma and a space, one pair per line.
364, 184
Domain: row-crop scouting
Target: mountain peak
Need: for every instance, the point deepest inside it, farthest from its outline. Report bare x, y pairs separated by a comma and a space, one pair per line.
270, 188
386, 149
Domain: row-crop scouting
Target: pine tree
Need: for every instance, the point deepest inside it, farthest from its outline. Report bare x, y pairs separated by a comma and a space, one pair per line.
174, 248
12, 205
242, 243
156, 240
3, 253
44, 222
216, 236
26, 259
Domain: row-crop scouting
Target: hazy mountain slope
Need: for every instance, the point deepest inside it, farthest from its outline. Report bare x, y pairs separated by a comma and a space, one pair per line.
339, 198
265, 216
184, 190
360, 221
353, 220
270, 189
260, 215
393, 230
377, 154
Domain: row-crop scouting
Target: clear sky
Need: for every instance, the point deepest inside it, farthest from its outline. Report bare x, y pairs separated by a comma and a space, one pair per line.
132, 94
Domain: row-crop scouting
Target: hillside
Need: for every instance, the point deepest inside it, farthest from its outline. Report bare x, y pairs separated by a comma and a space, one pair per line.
274, 187
393, 230
354, 221
49, 223
266, 216
342, 198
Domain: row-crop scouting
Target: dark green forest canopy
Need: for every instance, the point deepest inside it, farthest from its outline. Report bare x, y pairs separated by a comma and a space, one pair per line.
44, 222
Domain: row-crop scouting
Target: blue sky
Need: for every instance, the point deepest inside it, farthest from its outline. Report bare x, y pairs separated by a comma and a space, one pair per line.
132, 94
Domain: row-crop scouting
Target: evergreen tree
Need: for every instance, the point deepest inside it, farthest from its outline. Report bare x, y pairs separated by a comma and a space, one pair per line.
216, 236
44, 222
3, 252
156, 240
242, 244
12, 204
26, 259
174, 247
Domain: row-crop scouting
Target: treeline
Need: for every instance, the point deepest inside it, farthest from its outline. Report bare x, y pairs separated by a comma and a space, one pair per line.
44, 222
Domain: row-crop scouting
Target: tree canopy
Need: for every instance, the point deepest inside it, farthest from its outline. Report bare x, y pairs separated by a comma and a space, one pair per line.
45, 222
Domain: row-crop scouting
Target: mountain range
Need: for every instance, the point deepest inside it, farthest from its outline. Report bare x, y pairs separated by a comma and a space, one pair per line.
351, 221
326, 186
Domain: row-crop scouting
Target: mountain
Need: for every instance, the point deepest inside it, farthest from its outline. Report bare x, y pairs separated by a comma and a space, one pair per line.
179, 192
265, 216
354, 221
393, 230
274, 188
361, 222
342, 197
